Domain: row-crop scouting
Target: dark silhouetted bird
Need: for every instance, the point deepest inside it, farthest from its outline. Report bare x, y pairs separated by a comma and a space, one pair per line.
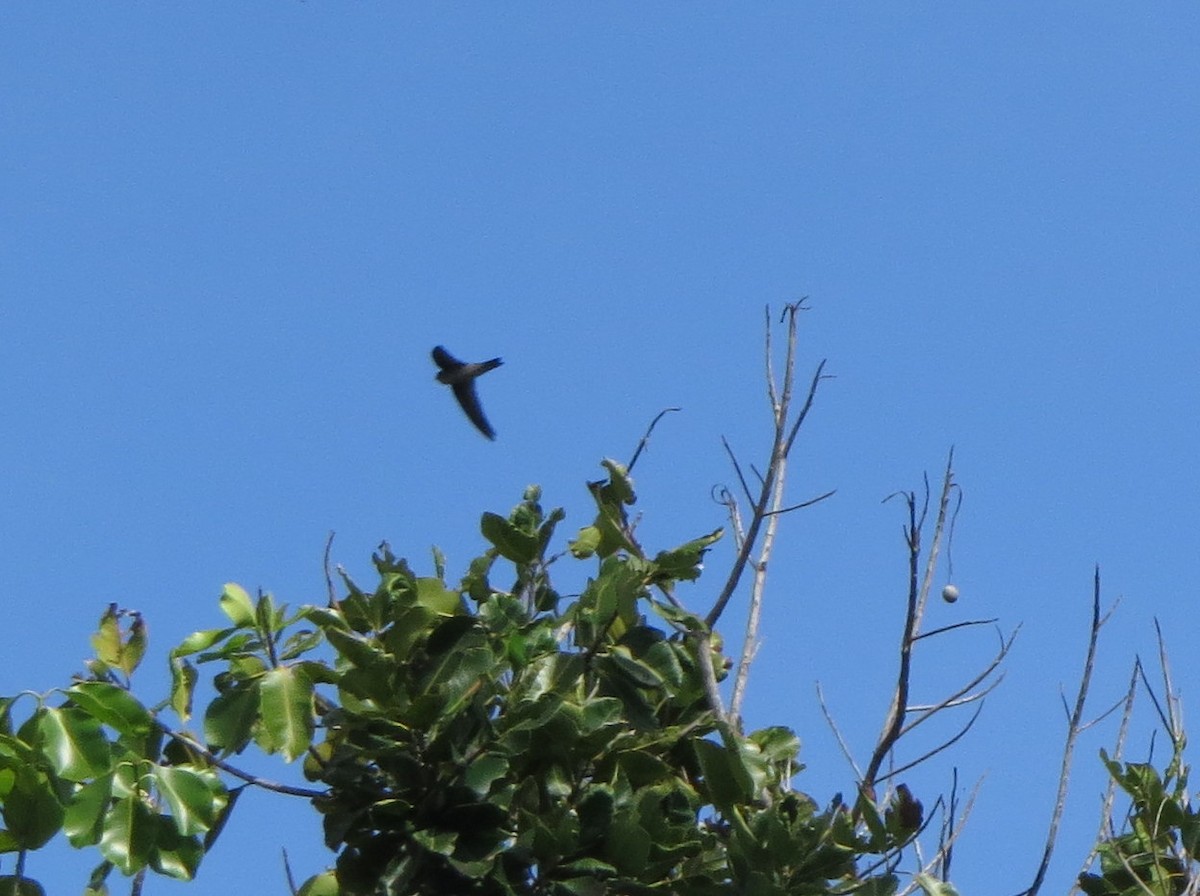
460, 376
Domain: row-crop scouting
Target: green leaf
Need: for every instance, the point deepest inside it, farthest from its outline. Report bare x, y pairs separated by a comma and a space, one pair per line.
229, 719
300, 643
684, 562
356, 649
513, 544
183, 686
74, 742
106, 640
237, 605
636, 671
483, 771
546, 530
286, 706
435, 596
135, 647
128, 837
324, 884
31, 810
226, 810
586, 542
113, 706
777, 743
174, 854
202, 640
726, 778
195, 798
82, 821
11, 885
934, 887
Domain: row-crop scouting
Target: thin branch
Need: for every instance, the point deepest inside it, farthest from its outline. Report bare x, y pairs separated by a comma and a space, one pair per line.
808, 403
837, 733
946, 846
944, 852
1174, 711
273, 786
721, 495
1069, 745
956, 696
926, 711
771, 394
949, 628
1110, 792
756, 519
333, 601
917, 594
646, 438
1104, 715
287, 868
809, 503
892, 772
738, 469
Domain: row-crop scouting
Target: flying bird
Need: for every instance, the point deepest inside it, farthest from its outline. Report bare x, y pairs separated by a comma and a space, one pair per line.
460, 377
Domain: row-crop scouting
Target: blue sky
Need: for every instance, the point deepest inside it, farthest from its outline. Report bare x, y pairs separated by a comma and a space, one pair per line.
232, 233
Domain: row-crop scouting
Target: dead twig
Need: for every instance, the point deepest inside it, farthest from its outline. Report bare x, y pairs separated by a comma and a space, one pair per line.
1073, 729
646, 438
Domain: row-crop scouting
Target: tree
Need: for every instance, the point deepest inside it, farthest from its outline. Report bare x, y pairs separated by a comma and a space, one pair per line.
496, 736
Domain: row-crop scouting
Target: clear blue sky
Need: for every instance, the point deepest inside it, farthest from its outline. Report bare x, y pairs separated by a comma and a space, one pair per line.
230, 233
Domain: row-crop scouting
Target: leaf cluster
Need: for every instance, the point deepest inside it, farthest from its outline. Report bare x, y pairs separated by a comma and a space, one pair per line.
492, 736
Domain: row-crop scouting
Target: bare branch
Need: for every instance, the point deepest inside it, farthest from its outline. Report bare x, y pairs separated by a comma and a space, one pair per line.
333, 601
1110, 792
836, 733
892, 772
725, 498
737, 469
1069, 745
949, 628
809, 503
781, 445
772, 396
808, 403
646, 438
918, 593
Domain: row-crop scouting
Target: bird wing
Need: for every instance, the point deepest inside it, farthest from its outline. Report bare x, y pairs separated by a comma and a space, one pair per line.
445, 360
469, 401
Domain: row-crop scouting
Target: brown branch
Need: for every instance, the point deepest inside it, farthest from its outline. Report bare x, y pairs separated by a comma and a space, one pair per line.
918, 591
756, 519
1073, 729
892, 772
1110, 792
845, 748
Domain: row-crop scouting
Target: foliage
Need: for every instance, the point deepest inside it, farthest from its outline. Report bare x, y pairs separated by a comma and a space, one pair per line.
481, 738
1152, 856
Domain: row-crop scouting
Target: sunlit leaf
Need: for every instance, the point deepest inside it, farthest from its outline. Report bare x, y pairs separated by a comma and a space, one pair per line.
286, 696
128, 835
112, 705
74, 742
236, 604
193, 797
